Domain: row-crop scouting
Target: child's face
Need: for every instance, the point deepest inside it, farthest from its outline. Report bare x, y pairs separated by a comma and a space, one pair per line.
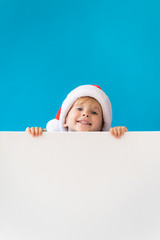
85, 115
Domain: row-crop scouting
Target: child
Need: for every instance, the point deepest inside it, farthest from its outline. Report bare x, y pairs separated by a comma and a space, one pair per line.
86, 108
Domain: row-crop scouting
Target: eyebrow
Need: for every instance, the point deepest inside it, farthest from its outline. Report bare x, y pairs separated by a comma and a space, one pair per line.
94, 107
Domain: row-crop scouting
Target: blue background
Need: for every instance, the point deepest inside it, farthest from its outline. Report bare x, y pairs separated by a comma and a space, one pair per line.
47, 48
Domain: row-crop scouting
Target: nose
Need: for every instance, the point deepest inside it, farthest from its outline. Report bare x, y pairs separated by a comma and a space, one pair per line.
85, 114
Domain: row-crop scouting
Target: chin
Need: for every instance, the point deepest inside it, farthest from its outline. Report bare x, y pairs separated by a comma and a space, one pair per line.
83, 130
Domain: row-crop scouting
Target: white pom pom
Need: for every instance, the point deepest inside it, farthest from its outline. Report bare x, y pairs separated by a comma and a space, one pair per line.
53, 126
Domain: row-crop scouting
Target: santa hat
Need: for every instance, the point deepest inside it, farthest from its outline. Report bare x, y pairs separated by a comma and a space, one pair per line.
94, 91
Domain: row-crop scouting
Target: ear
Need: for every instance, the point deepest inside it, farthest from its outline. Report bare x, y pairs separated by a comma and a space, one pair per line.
65, 125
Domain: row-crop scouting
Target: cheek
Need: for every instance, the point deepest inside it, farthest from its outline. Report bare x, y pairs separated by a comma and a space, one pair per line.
75, 114
71, 117
99, 122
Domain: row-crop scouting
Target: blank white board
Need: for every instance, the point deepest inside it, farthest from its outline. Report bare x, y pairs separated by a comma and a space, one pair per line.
80, 186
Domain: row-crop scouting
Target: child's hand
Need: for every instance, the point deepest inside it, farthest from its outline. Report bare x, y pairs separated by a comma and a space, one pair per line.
35, 131
117, 132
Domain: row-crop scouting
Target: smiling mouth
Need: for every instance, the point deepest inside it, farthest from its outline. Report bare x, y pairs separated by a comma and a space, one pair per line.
84, 122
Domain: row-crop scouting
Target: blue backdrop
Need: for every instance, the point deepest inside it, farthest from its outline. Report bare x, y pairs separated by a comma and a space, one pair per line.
47, 48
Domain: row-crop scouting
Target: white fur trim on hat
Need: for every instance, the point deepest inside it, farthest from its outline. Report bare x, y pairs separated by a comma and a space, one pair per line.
53, 126
82, 91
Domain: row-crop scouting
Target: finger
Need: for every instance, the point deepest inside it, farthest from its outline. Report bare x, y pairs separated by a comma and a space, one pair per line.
40, 131
111, 131
28, 130
115, 132
124, 129
36, 131
44, 130
33, 131
119, 132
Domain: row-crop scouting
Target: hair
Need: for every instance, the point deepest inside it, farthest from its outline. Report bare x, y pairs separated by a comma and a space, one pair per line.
90, 100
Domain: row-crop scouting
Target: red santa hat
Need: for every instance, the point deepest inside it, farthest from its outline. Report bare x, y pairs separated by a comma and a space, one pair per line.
94, 91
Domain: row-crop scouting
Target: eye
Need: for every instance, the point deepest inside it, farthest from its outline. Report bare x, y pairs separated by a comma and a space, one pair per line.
94, 113
79, 109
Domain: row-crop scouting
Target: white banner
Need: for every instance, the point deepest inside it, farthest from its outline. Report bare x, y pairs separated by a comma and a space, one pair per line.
80, 186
